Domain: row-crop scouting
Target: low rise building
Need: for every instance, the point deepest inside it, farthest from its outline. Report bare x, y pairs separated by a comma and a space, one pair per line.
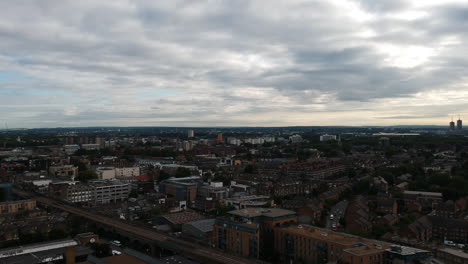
127, 172
406, 255
13, 207
65, 172
109, 191
183, 189
105, 173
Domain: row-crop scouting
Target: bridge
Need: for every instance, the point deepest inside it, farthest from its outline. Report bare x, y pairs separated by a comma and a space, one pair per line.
197, 252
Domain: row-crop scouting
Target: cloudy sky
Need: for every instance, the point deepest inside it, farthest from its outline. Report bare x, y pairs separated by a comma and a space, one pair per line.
233, 62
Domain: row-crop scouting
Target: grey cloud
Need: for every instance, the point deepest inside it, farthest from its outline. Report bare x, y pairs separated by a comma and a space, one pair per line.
116, 55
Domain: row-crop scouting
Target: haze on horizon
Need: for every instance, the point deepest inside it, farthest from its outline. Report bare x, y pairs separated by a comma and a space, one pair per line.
233, 63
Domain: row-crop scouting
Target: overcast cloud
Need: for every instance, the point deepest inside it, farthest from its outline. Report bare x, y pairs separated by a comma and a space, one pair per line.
232, 63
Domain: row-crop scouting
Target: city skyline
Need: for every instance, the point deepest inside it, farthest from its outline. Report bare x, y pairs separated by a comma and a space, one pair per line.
229, 64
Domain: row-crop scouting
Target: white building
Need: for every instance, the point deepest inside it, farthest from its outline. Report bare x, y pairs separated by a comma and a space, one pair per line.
327, 137
110, 191
127, 172
105, 173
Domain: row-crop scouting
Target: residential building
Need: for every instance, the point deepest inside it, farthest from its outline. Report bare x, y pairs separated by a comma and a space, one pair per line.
427, 199
241, 238
13, 207
316, 245
449, 229
127, 172
254, 228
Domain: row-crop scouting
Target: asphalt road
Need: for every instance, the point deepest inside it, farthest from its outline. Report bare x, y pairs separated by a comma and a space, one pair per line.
338, 211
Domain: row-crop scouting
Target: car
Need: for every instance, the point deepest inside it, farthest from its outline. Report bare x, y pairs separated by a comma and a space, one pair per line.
116, 253
331, 217
116, 243
334, 227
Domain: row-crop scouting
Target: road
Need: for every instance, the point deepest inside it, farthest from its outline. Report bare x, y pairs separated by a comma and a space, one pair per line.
190, 249
338, 211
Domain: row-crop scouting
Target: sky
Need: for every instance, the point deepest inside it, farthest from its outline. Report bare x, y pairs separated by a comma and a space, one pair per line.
232, 63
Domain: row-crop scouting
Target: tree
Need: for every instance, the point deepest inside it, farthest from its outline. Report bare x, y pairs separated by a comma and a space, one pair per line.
183, 172
86, 175
101, 250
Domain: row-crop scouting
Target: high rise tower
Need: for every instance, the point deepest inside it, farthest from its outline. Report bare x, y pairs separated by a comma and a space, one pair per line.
452, 124
190, 133
459, 124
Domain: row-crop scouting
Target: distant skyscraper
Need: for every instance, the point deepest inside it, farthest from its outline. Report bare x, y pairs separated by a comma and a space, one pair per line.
452, 125
191, 133
459, 124
219, 139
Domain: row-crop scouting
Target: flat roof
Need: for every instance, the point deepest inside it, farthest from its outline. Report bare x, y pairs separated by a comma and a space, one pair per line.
455, 252
33, 248
268, 212
423, 193
356, 245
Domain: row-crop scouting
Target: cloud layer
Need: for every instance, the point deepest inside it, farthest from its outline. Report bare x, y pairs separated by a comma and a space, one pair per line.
229, 63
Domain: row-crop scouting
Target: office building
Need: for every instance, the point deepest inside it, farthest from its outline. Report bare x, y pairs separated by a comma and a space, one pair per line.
109, 191
183, 189
459, 124
72, 192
